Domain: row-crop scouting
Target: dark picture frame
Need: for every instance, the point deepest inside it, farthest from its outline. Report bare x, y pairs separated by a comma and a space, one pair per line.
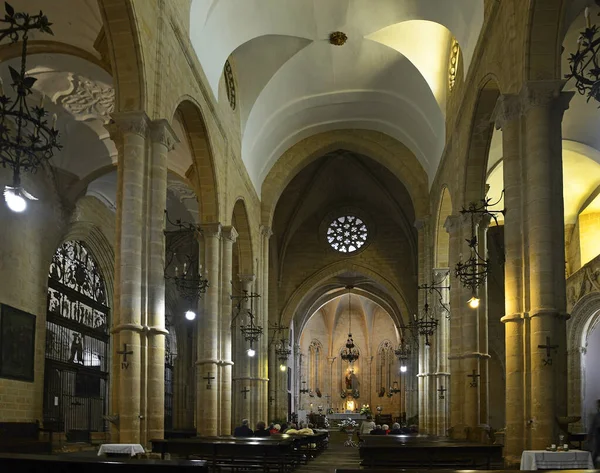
17, 344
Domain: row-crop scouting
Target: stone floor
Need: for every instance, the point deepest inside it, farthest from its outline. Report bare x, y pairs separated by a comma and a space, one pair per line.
335, 456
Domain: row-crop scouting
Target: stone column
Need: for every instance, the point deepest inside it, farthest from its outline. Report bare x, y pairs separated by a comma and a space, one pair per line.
229, 236
442, 374
457, 375
482, 314
163, 139
132, 128
207, 362
544, 105
263, 312
508, 118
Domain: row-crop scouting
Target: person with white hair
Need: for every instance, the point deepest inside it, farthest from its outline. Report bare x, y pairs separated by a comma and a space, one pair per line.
243, 430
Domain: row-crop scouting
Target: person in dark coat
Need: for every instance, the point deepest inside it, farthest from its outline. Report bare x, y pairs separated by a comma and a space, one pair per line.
243, 430
261, 430
378, 431
396, 430
593, 437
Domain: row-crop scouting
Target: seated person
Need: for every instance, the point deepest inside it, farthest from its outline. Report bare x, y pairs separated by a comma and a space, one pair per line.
276, 429
385, 428
377, 431
291, 427
243, 430
367, 426
261, 430
396, 430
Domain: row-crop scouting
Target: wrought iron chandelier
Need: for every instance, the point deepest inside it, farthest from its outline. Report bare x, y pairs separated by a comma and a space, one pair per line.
474, 271
425, 323
403, 351
27, 140
437, 288
585, 62
350, 353
248, 327
183, 267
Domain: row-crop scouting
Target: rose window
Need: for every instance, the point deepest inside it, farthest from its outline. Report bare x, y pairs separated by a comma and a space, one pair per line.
347, 234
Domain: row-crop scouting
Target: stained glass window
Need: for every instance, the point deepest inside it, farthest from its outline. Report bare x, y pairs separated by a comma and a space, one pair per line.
347, 234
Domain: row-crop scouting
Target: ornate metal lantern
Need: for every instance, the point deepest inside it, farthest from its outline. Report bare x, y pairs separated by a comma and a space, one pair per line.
474, 271
27, 140
350, 353
182, 264
585, 62
403, 351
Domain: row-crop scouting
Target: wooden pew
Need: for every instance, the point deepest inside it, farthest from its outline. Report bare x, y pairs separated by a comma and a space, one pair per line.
23, 437
263, 453
426, 453
73, 464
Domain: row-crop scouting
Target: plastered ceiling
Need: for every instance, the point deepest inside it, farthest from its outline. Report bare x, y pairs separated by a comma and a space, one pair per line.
390, 76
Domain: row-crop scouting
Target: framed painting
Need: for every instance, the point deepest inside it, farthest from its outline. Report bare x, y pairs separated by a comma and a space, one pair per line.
17, 344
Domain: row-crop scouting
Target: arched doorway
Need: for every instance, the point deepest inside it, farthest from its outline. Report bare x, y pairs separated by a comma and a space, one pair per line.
77, 344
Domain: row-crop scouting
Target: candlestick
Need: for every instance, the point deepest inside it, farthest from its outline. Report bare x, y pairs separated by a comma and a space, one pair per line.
587, 17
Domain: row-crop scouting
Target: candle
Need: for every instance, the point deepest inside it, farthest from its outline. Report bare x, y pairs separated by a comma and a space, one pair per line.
587, 17
54, 121
42, 101
1, 87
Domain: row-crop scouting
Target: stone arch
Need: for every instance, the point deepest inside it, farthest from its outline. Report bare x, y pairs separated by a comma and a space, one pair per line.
332, 270
382, 148
241, 223
442, 238
543, 44
123, 36
480, 138
584, 317
202, 173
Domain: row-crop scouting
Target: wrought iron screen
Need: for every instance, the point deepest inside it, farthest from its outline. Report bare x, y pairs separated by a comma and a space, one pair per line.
77, 343
169, 371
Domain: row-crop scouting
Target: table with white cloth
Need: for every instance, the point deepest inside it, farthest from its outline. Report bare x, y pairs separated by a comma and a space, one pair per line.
545, 460
124, 449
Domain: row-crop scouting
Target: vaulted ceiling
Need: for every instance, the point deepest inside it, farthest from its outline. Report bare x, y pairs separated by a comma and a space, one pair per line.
390, 76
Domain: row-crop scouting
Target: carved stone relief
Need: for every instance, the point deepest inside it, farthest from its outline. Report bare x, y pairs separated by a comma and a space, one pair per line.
87, 100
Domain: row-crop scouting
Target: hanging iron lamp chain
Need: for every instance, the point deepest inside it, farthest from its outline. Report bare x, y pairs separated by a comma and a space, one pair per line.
27, 140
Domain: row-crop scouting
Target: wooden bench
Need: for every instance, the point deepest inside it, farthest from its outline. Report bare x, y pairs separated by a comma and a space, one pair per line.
251, 453
426, 453
74, 464
23, 437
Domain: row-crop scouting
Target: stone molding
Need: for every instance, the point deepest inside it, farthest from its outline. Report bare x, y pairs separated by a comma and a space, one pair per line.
422, 221
469, 355
162, 133
508, 108
155, 330
452, 223
247, 277
136, 123
249, 378
127, 326
544, 93
229, 233
517, 317
207, 361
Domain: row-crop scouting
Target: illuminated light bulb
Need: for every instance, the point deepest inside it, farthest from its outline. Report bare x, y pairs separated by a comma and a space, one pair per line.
190, 315
473, 302
282, 367
251, 352
403, 369
14, 200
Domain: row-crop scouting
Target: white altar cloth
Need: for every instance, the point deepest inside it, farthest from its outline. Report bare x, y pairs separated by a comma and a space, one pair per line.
339, 416
544, 460
123, 448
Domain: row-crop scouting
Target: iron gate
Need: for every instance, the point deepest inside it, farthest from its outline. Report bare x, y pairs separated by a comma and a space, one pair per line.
77, 341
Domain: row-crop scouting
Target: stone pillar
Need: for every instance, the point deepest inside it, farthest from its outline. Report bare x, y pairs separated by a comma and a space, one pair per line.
482, 314
263, 313
457, 375
543, 108
131, 128
163, 139
442, 373
207, 362
508, 118
229, 236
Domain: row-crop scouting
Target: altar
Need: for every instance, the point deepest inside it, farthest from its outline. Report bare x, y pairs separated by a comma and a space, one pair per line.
338, 417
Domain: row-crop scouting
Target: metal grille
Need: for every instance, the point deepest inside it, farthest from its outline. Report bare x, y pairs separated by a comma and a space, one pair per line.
76, 378
169, 370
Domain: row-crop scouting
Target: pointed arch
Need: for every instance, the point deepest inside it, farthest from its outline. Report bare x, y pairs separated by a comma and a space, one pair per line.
202, 173
120, 27
442, 238
241, 223
480, 138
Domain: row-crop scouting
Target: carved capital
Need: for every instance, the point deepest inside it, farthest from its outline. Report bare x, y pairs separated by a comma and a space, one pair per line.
452, 223
508, 108
162, 133
266, 231
440, 274
545, 93
421, 222
211, 230
229, 234
131, 123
